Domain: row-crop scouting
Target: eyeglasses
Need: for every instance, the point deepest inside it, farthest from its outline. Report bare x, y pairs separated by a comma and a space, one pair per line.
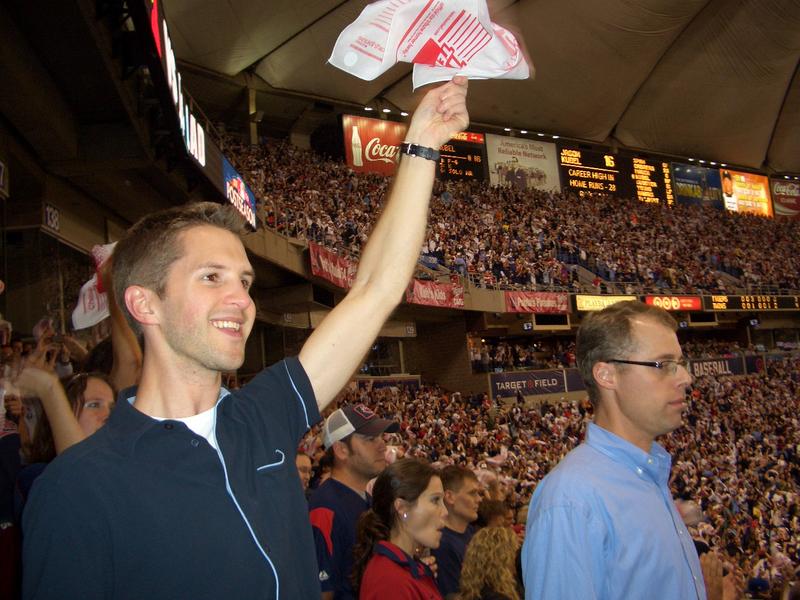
668, 365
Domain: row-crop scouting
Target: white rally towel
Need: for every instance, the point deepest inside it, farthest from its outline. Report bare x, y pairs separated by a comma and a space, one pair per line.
442, 38
92, 304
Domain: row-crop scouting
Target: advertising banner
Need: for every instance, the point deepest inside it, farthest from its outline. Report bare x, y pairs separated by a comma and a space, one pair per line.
745, 192
537, 302
585, 302
238, 193
786, 198
372, 145
696, 185
528, 383
330, 266
522, 163
203, 151
717, 366
687, 303
432, 293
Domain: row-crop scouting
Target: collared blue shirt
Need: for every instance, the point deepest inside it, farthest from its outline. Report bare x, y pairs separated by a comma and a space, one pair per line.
148, 509
603, 525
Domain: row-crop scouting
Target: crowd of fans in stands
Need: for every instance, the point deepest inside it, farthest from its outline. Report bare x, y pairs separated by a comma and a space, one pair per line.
495, 355
528, 239
736, 462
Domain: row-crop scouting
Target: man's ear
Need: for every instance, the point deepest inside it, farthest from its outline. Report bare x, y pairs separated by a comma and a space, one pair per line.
448, 497
340, 450
605, 375
141, 304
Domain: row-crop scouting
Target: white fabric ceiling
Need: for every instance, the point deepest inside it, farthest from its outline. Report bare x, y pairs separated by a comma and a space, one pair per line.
713, 79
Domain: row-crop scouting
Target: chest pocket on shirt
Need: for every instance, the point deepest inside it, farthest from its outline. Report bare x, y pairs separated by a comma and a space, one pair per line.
278, 462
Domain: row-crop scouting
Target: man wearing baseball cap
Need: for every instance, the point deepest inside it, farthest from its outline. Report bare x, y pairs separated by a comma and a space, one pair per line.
353, 437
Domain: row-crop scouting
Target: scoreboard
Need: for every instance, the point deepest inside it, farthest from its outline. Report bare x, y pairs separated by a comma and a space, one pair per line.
587, 171
463, 157
723, 302
646, 180
623, 176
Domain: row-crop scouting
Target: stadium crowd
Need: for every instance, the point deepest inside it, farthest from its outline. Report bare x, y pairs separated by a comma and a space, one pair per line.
496, 355
528, 239
736, 462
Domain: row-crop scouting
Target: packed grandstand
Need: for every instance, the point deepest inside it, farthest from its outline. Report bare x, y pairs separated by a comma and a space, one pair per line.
477, 366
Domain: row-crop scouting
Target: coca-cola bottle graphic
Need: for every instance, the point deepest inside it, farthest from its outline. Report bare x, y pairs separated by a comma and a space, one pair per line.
355, 144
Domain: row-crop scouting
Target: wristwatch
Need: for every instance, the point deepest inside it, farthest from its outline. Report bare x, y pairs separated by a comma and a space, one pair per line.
421, 151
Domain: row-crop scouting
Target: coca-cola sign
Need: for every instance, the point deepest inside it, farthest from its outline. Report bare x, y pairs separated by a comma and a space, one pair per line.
372, 145
786, 198
375, 151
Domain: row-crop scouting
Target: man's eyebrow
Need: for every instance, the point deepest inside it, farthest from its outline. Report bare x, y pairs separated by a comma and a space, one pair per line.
218, 267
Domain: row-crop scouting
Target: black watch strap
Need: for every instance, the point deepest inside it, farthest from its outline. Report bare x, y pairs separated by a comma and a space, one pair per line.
421, 151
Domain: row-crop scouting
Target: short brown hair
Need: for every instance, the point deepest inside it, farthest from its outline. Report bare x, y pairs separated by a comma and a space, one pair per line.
606, 335
143, 257
454, 476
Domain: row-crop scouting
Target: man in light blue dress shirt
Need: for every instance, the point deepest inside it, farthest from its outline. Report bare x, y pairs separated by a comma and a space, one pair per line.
603, 524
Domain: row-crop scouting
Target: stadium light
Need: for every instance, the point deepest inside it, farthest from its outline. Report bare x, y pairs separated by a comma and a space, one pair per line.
506, 128
540, 134
555, 137
387, 110
691, 160
367, 108
723, 164
523, 131
404, 114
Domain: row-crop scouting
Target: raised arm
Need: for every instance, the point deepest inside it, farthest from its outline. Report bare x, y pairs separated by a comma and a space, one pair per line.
334, 350
43, 384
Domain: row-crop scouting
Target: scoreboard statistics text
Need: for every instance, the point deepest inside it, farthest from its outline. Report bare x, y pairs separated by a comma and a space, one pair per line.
722, 302
646, 179
587, 171
463, 157
623, 176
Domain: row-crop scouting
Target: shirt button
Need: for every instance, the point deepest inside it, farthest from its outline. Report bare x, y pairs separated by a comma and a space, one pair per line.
169, 426
195, 443
649, 461
639, 470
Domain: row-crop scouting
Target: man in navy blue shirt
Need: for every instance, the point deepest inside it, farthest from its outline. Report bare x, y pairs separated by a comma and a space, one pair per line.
190, 491
353, 437
462, 496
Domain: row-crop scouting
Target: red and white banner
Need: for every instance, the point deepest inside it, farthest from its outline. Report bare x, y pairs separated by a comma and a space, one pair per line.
372, 145
537, 302
330, 266
431, 293
786, 198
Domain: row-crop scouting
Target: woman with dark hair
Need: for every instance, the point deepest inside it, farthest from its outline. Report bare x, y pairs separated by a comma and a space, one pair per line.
91, 397
56, 418
407, 516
